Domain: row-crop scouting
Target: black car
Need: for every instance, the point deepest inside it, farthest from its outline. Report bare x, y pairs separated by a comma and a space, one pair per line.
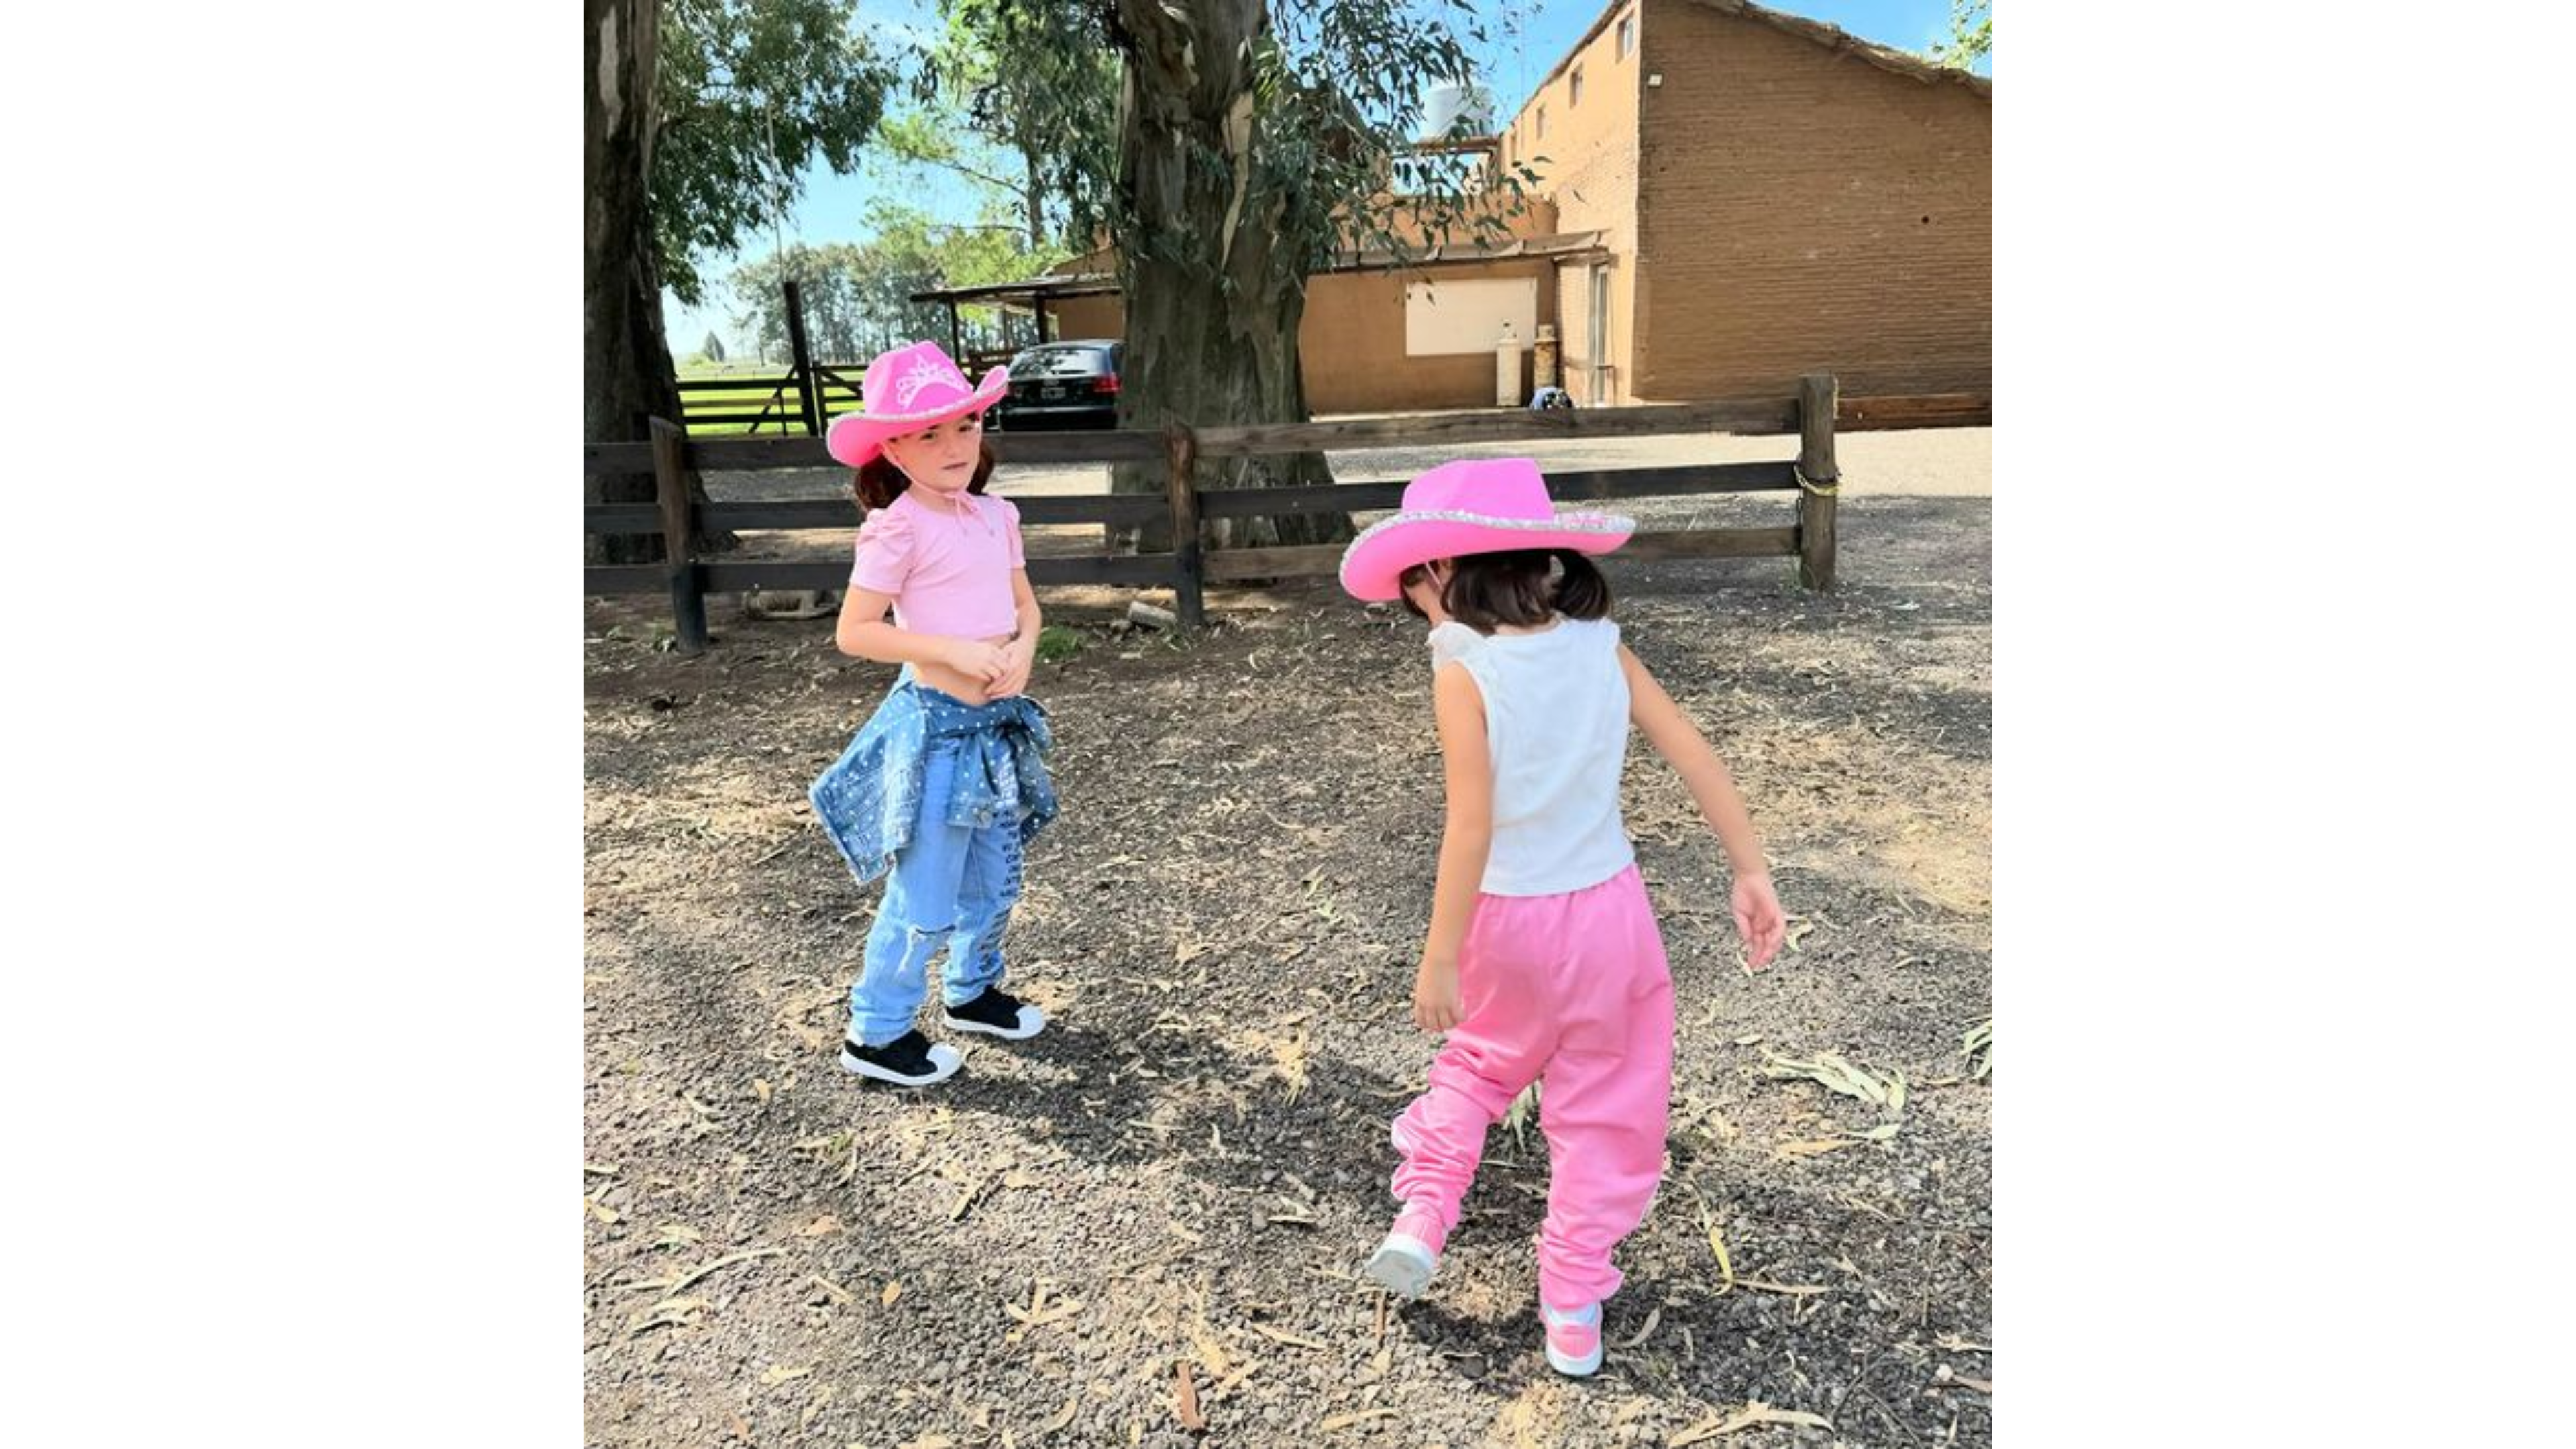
1062, 385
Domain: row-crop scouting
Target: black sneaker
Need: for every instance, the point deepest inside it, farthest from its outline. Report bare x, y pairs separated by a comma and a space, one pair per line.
998, 1013
909, 1060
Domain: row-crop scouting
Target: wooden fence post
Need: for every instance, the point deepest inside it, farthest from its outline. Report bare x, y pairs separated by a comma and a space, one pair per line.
671, 490
810, 409
1188, 569
1819, 480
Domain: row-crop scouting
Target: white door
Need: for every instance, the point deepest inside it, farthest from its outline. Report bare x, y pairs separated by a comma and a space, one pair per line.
1597, 342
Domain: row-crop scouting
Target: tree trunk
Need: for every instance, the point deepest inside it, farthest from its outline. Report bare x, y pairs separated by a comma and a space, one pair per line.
627, 375
1036, 195
1212, 312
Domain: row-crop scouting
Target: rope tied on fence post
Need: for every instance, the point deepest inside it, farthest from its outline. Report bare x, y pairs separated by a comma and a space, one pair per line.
1829, 488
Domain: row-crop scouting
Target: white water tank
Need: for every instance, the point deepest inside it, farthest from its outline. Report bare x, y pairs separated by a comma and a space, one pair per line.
1451, 103
1507, 368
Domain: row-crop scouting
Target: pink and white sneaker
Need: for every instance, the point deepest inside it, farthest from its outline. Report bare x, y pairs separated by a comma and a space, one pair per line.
1404, 1263
1573, 1339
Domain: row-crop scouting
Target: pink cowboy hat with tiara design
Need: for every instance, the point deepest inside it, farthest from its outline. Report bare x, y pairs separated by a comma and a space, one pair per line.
1474, 505
908, 388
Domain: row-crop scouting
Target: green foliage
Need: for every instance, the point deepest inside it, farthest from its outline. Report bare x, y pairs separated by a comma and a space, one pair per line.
858, 297
1972, 35
1057, 642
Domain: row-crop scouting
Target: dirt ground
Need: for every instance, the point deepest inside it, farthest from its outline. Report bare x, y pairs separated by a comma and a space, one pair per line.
1175, 1185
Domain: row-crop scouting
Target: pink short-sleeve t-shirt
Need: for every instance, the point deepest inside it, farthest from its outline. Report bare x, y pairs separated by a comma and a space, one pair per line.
949, 573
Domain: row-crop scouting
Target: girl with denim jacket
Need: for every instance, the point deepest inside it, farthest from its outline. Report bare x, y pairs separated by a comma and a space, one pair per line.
946, 783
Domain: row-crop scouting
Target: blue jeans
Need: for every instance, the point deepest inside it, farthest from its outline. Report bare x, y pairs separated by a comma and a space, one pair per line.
951, 887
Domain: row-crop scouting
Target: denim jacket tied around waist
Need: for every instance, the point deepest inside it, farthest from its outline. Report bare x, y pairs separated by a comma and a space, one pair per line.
870, 797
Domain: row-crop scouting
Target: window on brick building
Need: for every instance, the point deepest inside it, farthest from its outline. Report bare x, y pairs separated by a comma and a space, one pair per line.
1574, 88
1628, 35
1542, 123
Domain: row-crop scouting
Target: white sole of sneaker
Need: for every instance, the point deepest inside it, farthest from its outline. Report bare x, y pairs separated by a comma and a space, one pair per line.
1402, 1266
944, 1061
1032, 1021
1580, 1368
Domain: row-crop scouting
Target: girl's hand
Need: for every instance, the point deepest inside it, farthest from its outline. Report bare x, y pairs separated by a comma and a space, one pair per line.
1020, 654
1435, 996
1758, 919
977, 660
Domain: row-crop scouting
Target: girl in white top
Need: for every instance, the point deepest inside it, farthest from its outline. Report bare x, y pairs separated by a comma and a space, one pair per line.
1543, 961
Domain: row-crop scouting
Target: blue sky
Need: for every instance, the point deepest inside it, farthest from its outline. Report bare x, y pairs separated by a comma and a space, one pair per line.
835, 208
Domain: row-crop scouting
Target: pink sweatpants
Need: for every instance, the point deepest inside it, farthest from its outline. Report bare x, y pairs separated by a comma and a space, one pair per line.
1571, 991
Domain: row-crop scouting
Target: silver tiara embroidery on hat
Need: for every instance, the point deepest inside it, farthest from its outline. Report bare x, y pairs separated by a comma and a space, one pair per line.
921, 374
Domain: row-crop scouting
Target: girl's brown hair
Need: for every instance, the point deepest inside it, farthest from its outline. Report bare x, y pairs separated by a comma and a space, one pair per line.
1513, 588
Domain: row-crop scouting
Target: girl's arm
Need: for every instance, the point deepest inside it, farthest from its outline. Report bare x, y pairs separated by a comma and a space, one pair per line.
863, 631
1757, 907
1466, 839
1022, 651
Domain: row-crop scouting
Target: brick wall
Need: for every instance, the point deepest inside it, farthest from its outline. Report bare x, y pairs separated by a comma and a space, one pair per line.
1587, 165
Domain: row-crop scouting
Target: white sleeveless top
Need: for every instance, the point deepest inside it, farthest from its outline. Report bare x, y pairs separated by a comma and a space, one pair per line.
1556, 721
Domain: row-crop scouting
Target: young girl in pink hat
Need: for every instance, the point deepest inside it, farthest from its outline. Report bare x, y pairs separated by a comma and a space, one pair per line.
1543, 962
946, 783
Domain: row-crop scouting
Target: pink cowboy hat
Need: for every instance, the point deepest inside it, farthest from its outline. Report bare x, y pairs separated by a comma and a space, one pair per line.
1474, 505
906, 389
